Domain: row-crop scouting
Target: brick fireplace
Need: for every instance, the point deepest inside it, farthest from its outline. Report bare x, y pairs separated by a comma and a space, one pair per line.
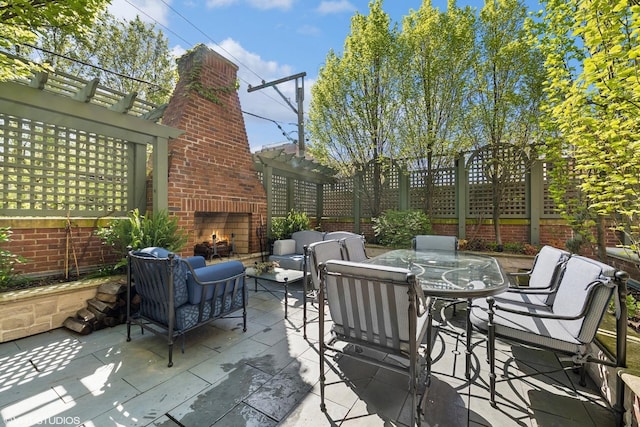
213, 186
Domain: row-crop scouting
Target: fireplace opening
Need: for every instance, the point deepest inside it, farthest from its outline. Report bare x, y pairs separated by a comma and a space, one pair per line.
221, 234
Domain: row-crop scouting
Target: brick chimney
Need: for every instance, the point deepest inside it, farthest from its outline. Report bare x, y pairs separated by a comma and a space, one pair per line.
213, 185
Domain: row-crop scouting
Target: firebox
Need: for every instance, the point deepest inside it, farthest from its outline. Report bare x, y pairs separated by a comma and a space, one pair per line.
224, 233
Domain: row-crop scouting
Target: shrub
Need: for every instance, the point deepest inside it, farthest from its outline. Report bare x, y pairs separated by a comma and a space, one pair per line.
284, 227
397, 228
140, 232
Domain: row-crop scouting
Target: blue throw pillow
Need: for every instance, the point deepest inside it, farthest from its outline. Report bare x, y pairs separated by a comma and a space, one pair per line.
156, 252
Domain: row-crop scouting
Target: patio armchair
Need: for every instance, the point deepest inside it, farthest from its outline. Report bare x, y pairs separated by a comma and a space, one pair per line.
566, 326
178, 295
542, 279
425, 242
376, 309
544, 273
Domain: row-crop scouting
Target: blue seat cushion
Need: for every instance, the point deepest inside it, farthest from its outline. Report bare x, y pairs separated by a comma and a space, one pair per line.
211, 273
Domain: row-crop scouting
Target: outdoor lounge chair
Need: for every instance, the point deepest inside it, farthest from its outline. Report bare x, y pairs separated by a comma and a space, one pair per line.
567, 326
432, 242
376, 308
178, 295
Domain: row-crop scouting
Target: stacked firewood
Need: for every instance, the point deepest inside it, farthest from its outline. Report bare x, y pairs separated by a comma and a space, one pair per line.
108, 308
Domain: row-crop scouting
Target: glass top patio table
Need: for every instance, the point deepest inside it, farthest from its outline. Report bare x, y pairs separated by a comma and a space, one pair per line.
449, 274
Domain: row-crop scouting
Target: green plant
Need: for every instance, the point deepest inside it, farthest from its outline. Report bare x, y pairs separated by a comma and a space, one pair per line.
139, 231
284, 227
7, 260
397, 228
265, 267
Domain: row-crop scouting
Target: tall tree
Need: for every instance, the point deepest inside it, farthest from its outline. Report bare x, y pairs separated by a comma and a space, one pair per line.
437, 54
353, 115
128, 56
592, 53
505, 102
22, 20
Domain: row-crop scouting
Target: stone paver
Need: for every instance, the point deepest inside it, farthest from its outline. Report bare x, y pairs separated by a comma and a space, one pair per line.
269, 376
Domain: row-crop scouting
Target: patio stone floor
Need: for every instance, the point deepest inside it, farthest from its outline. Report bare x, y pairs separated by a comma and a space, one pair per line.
268, 376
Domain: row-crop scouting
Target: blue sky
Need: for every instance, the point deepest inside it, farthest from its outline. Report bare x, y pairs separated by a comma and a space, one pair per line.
268, 40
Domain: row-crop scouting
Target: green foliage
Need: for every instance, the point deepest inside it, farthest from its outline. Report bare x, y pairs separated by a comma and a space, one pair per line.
505, 102
21, 21
139, 231
7, 260
135, 49
397, 228
283, 228
353, 116
436, 81
592, 109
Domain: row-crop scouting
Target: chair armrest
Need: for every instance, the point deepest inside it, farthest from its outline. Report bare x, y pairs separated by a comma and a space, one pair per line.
532, 291
545, 313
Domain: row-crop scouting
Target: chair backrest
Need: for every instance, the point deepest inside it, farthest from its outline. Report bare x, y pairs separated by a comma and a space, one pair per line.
354, 248
431, 242
319, 253
156, 278
547, 267
305, 238
586, 285
371, 303
338, 235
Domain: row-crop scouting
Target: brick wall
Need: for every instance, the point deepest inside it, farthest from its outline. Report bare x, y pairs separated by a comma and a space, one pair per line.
46, 245
210, 165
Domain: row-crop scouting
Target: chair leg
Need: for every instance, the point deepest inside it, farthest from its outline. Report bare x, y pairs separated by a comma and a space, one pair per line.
491, 348
170, 355
304, 306
468, 353
323, 407
429, 342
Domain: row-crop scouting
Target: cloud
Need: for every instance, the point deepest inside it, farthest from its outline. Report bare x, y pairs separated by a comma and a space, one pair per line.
308, 30
329, 7
220, 3
271, 4
151, 11
258, 4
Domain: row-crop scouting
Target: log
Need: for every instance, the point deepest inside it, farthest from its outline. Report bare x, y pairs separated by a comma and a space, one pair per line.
77, 325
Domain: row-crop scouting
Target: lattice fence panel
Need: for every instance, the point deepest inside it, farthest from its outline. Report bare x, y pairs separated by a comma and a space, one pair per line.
514, 198
46, 169
444, 192
304, 199
279, 194
389, 191
338, 199
549, 207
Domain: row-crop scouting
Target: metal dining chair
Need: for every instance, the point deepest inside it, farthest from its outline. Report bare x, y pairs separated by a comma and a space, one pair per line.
354, 249
425, 242
376, 309
315, 254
